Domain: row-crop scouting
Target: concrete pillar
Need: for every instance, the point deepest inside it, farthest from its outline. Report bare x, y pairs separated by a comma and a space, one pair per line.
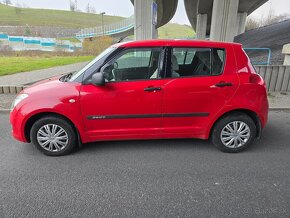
241, 23
286, 51
224, 18
144, 28
201, 26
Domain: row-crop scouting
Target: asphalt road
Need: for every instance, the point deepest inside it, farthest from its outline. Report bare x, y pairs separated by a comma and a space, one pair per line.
165, 178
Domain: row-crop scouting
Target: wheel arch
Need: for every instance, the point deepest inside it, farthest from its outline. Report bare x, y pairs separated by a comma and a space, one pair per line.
253, 115
35, 117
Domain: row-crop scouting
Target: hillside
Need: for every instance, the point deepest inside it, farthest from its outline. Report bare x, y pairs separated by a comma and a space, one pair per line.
173, 30
11, 16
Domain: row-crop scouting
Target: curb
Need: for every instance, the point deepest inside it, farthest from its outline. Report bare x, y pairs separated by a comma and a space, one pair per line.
11, 89
3, 111
279, 109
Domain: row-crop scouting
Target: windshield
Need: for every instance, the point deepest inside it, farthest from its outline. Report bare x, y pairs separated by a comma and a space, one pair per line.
99, 57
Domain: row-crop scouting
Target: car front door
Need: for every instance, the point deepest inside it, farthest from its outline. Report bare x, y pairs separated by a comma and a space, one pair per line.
129, 104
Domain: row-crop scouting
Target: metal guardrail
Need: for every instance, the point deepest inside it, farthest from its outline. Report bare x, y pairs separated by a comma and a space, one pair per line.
109, 29
21, 43
261, 49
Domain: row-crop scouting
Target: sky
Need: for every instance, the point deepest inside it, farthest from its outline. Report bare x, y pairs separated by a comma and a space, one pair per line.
124, 7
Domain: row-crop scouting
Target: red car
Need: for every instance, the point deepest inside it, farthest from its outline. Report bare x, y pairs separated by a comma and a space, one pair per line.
148, 90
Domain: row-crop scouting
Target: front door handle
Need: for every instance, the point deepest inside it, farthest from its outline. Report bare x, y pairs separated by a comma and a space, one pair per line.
223, 84
152, 89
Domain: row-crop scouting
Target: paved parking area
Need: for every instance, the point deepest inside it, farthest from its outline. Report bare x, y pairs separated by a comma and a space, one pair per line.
160, 178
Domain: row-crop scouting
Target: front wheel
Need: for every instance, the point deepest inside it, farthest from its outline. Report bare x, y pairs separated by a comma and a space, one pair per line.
53, 136
234, 133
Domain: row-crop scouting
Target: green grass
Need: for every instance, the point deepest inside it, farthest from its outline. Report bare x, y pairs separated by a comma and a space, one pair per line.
44, 17
67, 19
175, 31
70, 39
12, 65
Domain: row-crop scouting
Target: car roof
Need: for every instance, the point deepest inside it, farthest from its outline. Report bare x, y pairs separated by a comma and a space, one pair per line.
176, 43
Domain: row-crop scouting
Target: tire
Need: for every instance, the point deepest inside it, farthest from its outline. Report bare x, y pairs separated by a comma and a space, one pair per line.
53, 136
234, 133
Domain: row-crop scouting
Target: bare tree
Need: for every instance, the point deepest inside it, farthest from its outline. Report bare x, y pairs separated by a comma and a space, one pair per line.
93, 10
7, 2
76, 5
270, 19
88, 9
252, 24
72, 6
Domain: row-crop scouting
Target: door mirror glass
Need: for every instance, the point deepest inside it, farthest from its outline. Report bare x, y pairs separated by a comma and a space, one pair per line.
98, 79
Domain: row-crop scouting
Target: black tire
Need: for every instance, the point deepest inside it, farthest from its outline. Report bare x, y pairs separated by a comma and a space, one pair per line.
70, 135
229, 119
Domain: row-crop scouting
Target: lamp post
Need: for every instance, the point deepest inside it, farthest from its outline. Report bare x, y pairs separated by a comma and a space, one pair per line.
103, 13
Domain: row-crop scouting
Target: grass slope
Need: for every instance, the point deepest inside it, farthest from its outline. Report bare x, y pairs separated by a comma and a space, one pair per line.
175, 31
44, 17
12, 65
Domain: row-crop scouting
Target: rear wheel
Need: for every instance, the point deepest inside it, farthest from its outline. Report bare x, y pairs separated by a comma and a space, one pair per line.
234, 133
53, 136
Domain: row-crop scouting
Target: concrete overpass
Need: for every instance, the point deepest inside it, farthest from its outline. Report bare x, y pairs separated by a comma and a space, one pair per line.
221, 19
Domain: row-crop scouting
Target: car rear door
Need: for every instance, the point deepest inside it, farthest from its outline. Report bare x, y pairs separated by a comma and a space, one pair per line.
205, 84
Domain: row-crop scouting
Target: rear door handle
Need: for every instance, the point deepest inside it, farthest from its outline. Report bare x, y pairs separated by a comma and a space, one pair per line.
152, 89
223, 84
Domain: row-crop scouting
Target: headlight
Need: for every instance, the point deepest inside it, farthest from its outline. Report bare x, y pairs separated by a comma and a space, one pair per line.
18, 99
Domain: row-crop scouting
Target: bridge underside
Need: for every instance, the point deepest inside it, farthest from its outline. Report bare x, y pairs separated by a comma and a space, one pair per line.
196, 7
221, 19
166, 10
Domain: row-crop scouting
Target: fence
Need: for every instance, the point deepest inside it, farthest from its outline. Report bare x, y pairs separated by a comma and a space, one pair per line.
22, 43
277, 78
255, 50
109, 29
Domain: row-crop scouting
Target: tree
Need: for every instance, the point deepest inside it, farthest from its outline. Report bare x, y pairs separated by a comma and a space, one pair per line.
270, 19
93, 10
7, 2
88, 9
72, 6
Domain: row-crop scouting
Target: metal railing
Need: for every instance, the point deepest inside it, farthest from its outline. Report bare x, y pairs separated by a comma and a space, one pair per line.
268, 62
109, 29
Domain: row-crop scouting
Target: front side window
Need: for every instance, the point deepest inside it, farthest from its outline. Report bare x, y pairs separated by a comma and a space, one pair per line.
192, 62
89, 65
134, 64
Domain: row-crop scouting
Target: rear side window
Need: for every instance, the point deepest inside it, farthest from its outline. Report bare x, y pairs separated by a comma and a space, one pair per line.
192, 62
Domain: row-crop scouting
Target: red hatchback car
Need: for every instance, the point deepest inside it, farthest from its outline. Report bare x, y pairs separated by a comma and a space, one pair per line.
147, 90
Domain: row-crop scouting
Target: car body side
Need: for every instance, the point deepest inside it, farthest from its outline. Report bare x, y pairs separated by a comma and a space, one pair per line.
64, 99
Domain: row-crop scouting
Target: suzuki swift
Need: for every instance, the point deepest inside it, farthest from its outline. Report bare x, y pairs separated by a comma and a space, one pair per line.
158, 89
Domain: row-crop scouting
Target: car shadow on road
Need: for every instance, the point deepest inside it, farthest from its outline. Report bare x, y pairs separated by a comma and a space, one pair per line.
272, 139
145, 145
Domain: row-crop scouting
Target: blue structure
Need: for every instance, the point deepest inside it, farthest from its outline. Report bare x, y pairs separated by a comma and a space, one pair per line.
268, 50
20, 43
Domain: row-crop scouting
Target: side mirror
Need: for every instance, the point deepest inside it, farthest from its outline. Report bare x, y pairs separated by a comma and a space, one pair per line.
98, 79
